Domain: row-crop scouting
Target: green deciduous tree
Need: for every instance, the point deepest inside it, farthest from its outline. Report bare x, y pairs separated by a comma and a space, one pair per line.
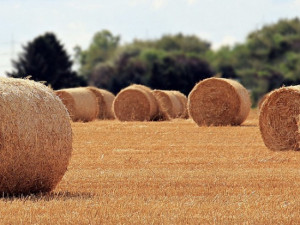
270, 57
183, 43
106, 64
175, 43
178, 72
101, 49
223, 62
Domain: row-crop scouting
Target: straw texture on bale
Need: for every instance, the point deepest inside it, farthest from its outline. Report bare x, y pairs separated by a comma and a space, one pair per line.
105, 100
183, 101
168, 104
261, 100
218, 102
135, 103
279, 119
36, 137
81, 103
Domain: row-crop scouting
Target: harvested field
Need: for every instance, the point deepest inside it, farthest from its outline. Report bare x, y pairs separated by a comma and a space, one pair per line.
171, 172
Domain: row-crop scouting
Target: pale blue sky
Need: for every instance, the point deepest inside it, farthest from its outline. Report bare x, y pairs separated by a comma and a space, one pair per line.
75, 22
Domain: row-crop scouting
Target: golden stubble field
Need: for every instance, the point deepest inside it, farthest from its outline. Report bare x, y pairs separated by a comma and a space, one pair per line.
167, 173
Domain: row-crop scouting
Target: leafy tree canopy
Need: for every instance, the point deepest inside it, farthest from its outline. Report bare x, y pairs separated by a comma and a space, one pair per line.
179, 42
270, 57
101, 49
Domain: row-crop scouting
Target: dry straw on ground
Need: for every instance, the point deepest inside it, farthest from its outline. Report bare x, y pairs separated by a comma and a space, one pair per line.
168, 104
105, 100
218, 102
279, 119
135, 103
183, 100
81, 103
36, 137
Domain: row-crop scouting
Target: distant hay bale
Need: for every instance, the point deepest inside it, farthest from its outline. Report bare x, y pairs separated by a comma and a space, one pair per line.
81, 103
36, 137
183, 100
105, 100
168, 104
135, 103
279, 119
108, 99
218, 102
261, 100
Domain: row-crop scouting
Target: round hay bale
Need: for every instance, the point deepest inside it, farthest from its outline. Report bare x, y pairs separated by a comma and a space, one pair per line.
135, 103
108, 100
261, 100
183, 100
81, 103
218, 102
168, 104
279, 119
36, 137
105, 100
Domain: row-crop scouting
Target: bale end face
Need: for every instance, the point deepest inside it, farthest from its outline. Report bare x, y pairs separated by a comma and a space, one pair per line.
279, 119
262, 100
135, 103
218, 102
131, 105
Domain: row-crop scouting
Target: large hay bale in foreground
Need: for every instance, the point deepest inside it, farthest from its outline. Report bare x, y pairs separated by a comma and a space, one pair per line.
219, 102
168, 104
183, 100
36, 137
81, 103
262, 100
279, 119
135, 103
105, 100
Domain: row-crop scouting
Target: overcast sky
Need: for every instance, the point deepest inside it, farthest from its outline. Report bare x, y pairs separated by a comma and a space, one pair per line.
76, 21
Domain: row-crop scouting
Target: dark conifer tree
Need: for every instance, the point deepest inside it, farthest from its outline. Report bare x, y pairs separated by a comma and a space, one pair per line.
44, 59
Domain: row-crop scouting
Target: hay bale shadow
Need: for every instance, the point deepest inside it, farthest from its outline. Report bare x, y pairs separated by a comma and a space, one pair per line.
48, 196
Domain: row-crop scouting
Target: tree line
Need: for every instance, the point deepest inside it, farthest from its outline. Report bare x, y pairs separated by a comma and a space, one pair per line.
269, 58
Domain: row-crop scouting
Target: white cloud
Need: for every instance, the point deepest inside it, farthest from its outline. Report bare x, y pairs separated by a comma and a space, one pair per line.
76, 21
296, 3
17, 5
82, 38
191, 2
204, 36
87, 6
226, 41
158, 4
136, 2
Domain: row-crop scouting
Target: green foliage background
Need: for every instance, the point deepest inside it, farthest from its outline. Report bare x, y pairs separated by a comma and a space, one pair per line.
268, 59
